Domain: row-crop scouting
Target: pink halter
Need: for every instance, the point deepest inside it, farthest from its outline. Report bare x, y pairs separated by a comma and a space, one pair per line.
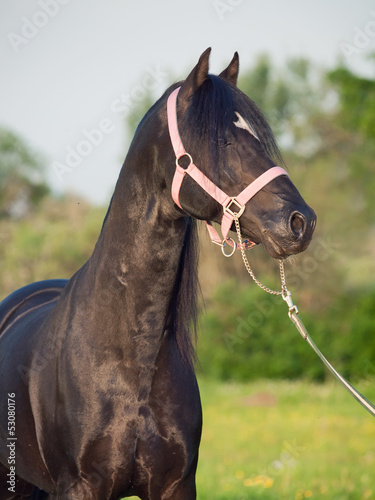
233, 206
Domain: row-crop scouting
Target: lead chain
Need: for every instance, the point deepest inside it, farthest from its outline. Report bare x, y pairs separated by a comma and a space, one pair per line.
296, 320
251, 272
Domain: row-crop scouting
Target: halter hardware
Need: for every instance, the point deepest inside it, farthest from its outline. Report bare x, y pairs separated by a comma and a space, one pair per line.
179, 158
229, 203
224, 243
233, 201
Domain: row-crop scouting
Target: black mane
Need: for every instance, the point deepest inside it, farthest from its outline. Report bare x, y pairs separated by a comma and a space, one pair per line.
184, 306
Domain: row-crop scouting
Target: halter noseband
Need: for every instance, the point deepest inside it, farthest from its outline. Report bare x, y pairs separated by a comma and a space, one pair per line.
233, 206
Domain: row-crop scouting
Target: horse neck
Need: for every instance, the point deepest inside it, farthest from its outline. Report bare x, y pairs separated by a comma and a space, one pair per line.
135, 270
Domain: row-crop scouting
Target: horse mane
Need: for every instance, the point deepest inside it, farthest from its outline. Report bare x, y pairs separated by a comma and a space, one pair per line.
184, 307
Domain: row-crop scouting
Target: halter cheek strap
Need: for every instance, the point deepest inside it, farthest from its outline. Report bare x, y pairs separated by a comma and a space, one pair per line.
233, 206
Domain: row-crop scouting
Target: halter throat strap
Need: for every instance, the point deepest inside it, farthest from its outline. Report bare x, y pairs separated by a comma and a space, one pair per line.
233, 206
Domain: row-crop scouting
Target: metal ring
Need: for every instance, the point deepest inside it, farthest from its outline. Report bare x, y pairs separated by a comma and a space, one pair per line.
190, 158
224, 245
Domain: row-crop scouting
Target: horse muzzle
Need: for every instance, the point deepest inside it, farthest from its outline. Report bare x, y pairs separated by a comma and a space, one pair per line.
289, 236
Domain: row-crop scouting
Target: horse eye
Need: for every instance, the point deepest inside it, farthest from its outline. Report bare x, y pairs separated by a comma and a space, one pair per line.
223, 143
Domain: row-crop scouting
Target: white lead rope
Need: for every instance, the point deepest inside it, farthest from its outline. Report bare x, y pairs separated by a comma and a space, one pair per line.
297, 322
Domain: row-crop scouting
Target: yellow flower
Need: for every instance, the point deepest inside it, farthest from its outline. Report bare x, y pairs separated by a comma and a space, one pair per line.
268, 483
264, 481
299, 495
240, 474
308, 494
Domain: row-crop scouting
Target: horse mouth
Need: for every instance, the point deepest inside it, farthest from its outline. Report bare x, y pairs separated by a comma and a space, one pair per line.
283, 250
274, 248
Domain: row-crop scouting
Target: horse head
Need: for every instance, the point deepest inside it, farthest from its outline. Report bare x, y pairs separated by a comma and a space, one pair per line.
231, 143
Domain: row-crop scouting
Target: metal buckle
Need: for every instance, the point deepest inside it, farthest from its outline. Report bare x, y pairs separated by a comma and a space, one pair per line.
190, 159
235, 202
224, 244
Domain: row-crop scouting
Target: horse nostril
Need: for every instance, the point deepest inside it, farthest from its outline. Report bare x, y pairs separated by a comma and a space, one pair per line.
298, 224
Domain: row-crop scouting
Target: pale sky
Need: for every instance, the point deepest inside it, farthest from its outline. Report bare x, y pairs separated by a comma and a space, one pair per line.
72, 69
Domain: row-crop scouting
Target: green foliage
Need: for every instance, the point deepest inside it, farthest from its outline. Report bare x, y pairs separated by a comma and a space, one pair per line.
256, 82
354, 121
21, 176
52, 243
357, 101
247, 335
288, 96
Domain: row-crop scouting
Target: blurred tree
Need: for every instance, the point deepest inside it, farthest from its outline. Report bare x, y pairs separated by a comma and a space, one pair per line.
54, 243
137, 112
21, 176
256, 82
287, 96
354, 119
356, 101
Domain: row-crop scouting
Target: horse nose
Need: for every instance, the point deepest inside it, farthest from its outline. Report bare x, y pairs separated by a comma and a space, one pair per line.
302, 225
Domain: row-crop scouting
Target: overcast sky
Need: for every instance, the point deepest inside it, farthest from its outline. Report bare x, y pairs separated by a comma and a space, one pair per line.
72, 69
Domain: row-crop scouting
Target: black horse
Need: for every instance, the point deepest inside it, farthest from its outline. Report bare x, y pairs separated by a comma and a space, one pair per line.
99, 368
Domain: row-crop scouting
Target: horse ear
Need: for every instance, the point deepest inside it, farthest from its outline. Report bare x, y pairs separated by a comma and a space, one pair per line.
231, 72
195, 79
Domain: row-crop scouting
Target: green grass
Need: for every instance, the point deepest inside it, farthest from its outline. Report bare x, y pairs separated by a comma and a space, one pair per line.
285, 441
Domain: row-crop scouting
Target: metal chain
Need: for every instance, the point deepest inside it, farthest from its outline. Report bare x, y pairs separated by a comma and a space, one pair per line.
296, 320
251, 272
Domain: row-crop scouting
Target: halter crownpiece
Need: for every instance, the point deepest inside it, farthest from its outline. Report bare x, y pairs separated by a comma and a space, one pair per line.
233, 206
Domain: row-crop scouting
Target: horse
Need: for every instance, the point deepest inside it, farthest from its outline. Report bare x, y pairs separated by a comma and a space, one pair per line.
99, 395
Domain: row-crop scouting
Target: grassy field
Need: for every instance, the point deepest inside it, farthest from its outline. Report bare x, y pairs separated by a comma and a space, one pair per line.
285, 440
